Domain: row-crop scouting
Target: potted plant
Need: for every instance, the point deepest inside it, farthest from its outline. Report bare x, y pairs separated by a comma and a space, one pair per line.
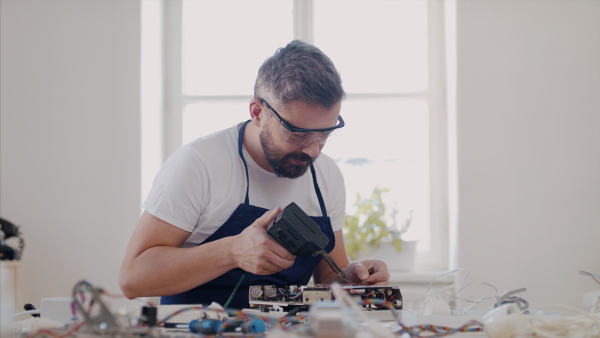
372, 224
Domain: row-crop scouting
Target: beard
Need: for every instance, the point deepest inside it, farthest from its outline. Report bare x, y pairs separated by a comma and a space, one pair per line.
282, 165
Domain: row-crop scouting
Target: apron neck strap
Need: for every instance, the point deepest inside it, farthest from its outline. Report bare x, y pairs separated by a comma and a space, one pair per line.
240, 147
247, 198
319, 195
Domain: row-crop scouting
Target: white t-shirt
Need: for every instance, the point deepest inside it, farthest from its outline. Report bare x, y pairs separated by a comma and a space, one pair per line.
203, 182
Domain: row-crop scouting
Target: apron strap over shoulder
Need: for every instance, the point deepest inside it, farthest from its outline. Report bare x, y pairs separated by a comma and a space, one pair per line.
240, 147
312, 170
319, 195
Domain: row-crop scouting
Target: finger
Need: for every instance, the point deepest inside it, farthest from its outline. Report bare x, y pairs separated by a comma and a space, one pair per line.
267, 218
274, 266
276, 253
356, 271
269, 270
282, 264
268, 250
361, 271
376, 272
378, 278
282, 252
265, 271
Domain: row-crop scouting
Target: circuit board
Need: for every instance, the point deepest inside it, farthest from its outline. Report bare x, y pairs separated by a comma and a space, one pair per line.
292, 296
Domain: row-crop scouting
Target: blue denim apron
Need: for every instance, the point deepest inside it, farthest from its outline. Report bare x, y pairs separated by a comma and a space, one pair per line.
220, 289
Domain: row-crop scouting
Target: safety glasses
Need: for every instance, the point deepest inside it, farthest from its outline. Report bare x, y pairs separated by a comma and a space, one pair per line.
302, 136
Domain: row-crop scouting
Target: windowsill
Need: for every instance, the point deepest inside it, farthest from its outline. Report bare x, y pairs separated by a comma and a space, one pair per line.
424, 277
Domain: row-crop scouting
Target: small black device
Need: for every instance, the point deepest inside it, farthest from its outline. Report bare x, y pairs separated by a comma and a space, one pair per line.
297, 232
302, 236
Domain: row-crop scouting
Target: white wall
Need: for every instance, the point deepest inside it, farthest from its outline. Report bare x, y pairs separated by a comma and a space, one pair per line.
528, 130
70, 115
528, 119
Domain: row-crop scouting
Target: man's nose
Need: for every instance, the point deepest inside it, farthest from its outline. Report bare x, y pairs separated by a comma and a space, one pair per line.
313, 149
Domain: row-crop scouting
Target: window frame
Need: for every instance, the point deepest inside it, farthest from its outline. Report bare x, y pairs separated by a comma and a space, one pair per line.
175, 100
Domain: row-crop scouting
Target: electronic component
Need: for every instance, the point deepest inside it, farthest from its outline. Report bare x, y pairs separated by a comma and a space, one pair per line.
8, 230
302, 236
292, 296
148, 316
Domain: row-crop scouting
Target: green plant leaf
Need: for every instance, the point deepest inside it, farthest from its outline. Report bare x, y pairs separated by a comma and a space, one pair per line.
371, 223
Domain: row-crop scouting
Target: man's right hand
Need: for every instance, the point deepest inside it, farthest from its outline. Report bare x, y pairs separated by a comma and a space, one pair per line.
256, 252
157, 246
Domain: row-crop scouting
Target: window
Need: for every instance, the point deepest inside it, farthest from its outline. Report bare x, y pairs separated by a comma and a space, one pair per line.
390, 57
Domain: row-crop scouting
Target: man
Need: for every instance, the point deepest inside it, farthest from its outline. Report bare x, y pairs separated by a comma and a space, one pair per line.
203, 231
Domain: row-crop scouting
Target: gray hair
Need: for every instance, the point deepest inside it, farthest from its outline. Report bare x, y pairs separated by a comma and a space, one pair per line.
299, 71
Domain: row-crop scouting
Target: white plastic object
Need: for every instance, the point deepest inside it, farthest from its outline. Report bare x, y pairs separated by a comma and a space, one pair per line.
58, 309
504, 321
333, 320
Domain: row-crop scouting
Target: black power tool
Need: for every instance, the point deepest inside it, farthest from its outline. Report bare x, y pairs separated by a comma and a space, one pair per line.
301, 236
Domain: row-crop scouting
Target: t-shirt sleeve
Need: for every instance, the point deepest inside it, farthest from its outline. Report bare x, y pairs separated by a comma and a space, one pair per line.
178, 194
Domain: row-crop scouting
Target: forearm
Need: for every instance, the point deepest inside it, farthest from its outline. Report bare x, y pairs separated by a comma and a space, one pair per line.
323, 274
165, 270
155, 264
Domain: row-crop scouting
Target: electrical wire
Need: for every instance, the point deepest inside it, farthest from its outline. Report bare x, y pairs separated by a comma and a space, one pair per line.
237, 286
56, 333
425, 330
594, 276
419, 331
161, 322
446, 293
457, 280
580, 325
472, 301
449, 294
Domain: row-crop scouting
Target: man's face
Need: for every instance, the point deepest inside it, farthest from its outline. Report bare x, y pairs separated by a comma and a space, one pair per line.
289, 154
284, 164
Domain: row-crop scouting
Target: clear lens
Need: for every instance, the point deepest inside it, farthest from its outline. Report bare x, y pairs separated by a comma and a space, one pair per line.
302, 139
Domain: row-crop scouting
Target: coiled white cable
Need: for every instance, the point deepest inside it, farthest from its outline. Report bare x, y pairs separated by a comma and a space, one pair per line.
582, 324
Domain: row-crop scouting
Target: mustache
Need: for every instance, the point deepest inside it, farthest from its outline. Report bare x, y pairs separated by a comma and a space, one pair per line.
301, 157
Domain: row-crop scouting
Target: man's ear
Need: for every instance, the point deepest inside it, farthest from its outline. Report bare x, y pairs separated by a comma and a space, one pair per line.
257, 111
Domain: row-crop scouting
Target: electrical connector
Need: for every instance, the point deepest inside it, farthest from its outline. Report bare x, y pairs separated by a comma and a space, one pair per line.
149, 314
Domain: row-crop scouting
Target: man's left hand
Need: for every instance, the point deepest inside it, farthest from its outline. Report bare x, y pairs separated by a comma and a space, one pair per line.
368, 272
